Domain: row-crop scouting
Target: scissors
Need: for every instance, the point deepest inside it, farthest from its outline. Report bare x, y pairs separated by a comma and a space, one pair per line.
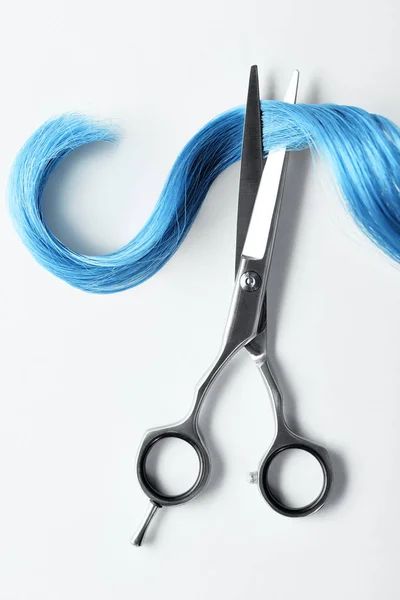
260, 195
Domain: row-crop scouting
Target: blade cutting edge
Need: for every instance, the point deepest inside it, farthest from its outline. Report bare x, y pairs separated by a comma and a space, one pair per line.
268, 192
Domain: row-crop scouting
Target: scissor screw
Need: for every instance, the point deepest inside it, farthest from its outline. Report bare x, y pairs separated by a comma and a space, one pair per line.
250, 281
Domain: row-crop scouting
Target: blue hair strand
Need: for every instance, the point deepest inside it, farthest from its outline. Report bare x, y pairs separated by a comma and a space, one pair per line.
361, 149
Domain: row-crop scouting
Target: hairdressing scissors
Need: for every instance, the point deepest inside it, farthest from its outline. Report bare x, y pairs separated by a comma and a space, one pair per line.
260, 196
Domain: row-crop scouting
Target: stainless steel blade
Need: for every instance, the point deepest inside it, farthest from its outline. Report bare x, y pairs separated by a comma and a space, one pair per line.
268, 193
252, 162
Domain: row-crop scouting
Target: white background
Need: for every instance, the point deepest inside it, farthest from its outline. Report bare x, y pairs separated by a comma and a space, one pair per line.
83, 376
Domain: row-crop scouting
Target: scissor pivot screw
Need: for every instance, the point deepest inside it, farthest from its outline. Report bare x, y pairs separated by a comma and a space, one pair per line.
250, 281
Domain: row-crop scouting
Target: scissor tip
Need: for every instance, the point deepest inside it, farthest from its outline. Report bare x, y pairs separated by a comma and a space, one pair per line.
291, 92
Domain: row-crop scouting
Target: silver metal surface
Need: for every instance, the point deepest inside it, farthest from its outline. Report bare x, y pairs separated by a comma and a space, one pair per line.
245, 327
137, 539
250, 281
253, 477
266, 209
252, 162
285, 439
272, 179
242, 326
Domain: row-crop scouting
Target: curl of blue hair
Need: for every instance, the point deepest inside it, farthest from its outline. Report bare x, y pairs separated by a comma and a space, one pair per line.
361, 149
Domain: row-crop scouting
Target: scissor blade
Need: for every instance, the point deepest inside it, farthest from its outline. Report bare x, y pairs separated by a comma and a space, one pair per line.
291, 92
252, 162
269, 191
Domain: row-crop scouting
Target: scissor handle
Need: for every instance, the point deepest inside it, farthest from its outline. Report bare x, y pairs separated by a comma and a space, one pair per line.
287, 440
187, 431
